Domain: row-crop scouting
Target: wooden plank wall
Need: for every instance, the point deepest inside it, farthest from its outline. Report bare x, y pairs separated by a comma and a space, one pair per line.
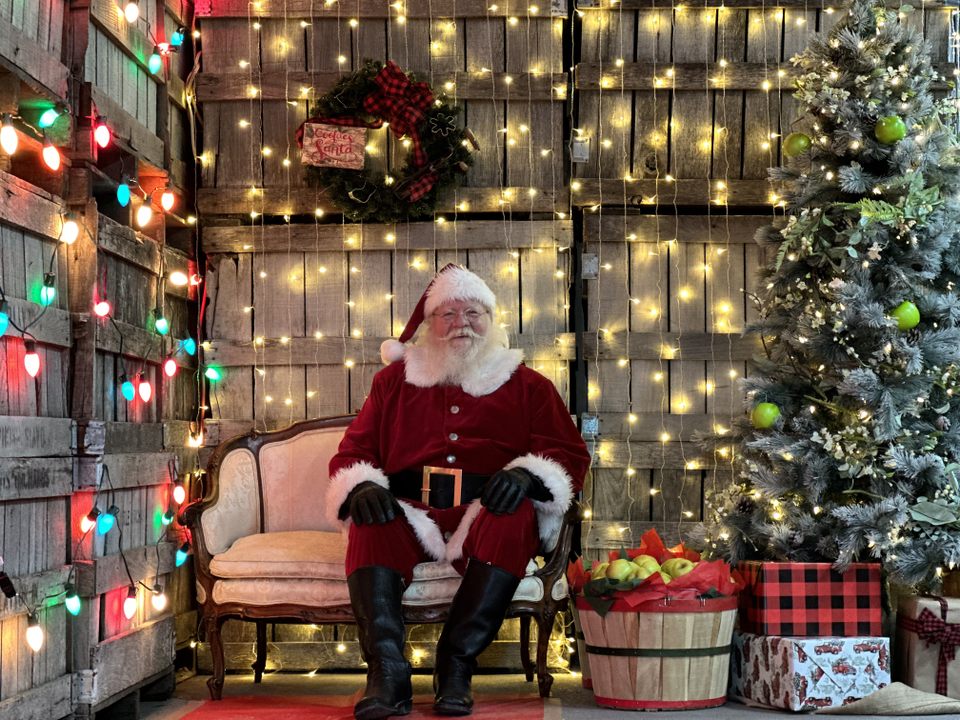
67, 439
680, 128
504, 66
298, 309
35, 462
39, 21
131, 455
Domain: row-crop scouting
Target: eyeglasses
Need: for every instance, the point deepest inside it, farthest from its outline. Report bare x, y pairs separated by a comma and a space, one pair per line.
471, 315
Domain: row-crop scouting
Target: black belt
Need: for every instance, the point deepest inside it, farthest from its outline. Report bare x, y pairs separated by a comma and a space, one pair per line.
438, 487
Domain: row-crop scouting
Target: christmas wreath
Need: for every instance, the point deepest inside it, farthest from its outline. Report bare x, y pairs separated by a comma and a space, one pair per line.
333, 141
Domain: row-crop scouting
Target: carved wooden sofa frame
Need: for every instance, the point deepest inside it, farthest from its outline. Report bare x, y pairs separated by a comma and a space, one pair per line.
550, 576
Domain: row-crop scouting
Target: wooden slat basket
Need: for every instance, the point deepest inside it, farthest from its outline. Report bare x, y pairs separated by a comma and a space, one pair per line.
585, 677
662, 655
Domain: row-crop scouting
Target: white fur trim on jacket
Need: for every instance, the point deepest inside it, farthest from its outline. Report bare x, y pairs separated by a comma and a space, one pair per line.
457, 283
455, 543
558, 483
485, 377
346, 480
426, 530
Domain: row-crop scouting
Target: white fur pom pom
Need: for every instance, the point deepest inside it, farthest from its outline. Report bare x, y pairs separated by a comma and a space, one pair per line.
391, 350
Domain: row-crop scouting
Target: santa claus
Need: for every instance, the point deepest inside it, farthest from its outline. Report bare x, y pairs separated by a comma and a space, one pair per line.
460, 453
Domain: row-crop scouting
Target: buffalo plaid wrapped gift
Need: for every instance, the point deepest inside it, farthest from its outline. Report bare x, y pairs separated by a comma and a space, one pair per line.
928, 636
810, 599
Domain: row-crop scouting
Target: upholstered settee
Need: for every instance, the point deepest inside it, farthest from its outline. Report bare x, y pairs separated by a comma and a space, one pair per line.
264, 551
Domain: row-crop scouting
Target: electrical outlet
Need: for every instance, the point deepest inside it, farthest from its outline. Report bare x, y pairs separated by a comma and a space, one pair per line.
580, 150
589, 425
590, 266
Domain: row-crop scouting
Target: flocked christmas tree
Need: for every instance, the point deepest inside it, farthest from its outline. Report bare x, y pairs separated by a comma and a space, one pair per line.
850, 448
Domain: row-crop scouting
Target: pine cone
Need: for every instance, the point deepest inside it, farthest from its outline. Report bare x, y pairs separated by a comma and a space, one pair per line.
942, 423
746, 506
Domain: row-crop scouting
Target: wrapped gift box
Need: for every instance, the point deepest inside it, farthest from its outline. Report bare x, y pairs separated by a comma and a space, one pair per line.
810, 600
928, 635
807, 673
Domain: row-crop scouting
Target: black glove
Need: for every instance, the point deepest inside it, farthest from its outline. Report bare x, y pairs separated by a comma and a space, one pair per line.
370, 504
507, 488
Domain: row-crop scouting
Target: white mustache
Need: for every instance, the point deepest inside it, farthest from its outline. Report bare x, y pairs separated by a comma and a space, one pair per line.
461, 332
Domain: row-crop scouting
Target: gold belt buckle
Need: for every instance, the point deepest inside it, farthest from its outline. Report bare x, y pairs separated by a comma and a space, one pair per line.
429, 470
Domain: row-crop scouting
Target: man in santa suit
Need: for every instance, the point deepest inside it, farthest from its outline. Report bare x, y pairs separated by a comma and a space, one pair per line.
457, 410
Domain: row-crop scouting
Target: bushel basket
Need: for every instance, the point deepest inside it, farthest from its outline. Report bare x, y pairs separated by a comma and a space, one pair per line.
665, 654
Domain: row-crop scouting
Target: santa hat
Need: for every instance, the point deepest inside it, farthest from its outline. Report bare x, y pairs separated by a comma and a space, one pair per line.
453, 282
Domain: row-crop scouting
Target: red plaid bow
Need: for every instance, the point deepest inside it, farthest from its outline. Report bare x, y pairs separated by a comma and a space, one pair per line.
933, 630
401, 103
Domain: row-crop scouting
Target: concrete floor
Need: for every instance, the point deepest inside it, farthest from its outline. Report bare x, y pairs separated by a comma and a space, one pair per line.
569, 701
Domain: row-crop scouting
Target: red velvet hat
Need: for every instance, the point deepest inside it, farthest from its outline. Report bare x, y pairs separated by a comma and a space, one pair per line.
453, 282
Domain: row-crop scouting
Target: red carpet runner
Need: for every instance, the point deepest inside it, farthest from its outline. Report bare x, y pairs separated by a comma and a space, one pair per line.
340, 707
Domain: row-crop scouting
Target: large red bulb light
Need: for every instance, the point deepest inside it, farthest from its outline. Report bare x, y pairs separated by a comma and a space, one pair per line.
31, 360
102, 134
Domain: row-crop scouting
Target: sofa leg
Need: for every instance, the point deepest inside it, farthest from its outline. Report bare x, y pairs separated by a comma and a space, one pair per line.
215, 683
525, 647
260, 664
544, 627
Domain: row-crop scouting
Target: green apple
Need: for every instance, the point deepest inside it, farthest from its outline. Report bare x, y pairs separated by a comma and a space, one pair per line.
642, 573
600, 571
907, 315
648, 562
675, 567
620, 569
665, 576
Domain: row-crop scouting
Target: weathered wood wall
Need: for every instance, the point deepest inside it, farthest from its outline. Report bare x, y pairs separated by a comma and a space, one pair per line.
501, 63
35, 456
676, 114
298, 309
680, 111
67, 438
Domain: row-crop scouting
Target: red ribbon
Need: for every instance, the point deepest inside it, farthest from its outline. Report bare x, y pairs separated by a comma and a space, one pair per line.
404, 105
933, 631
401, 103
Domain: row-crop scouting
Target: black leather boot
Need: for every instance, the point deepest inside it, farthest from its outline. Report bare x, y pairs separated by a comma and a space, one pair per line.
475, 617
375, 594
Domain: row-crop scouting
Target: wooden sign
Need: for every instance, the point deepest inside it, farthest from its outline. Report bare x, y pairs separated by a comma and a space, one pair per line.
337, 146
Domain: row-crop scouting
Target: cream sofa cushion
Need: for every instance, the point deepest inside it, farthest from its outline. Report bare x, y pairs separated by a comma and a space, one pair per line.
298, 554
306, 567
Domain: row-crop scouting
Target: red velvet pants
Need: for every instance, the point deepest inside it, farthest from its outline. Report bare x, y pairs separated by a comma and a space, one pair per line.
506, 541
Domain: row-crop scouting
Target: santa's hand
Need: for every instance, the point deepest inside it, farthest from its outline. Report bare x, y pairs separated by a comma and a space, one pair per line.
371, 504
506, 489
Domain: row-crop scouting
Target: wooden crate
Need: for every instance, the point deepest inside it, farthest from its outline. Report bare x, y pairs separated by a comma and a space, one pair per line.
129, 455
504, 63
685, 140
685, 105
35, 463
296, 317
335, 647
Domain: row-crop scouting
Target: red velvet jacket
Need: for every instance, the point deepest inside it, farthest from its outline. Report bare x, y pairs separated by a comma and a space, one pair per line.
513, 418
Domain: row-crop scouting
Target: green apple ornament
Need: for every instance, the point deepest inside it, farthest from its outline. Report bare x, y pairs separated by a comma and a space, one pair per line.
764, 415
906, 315
795, 143
890, 129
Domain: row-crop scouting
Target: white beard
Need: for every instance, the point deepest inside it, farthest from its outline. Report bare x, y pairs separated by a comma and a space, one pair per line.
452, 363
479, 369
